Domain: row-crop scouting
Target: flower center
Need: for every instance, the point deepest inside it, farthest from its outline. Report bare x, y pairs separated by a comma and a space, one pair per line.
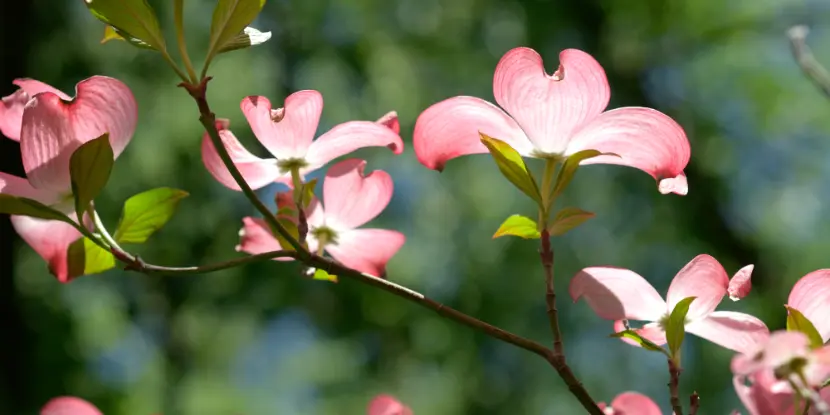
555, 157
288, 165
324, 236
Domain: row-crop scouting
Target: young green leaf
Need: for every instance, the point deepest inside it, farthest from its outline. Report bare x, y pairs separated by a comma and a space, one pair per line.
133, 19
111, 33
512, 166
291, 227
147, 212
308, 192
518, 225
230, 18
798, 322
642, 341
676, 326
90, 167
249, 37
84, 257
13, 205
566, 173
324, 276
567, 219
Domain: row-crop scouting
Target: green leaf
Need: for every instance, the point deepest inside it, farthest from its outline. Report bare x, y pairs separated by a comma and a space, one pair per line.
147, 212
642, 341
111, 33
84, 257
676, 326
90, 167
133, 19
22, 206
291, 227
308, 192
324, 276
798, 322
249, 37
512, 166
567, 219
230, 18
518, 225
566, 173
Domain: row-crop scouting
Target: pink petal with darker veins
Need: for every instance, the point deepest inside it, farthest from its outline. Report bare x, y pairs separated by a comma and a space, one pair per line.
52, 128
257, 172
50, 239
617, 294
633, 403
387, 405
550, 108
643, 138
352, 198
286, 132
651, 332
704, 278
350, 136
811, 296
16, 186
69, 405
741, 283
11, 107
735, 331
450, 129
366, 250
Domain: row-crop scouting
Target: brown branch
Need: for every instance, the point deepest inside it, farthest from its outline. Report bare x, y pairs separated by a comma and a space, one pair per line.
674, 387
559, 361
694, 403
804, 56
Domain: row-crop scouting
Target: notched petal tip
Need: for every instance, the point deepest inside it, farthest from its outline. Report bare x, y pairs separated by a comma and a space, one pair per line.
741, 283
677, 185
390, 120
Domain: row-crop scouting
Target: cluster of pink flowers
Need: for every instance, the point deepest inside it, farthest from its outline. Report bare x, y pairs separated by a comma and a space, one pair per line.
542, 115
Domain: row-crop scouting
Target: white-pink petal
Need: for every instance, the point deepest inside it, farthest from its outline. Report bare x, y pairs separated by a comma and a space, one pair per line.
450, 129
52, 128
735, 331
550, 108
350, 136
286, 132
352, 198
643, 138
811, 296
11, 107
16, 186
617, 294
633, 403
704, 278
256, 238
366, 250
387, 405
69, 405
741, 283
257, 172
50, 239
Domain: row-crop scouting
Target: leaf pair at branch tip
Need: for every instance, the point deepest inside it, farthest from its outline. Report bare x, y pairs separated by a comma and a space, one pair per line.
524, 227
676, 327
89, 169
568, 170
229, 26
131, 20
640, 340
512, 166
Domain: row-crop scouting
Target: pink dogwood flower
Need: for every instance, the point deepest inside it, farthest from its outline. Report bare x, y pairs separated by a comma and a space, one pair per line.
387, 405
69, 405
50, 127
556, 115
811, 296
351, 199
620, 294
763, 376
288, 134
631, 403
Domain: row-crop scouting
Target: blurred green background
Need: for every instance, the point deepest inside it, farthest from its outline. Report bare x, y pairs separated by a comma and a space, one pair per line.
262, 340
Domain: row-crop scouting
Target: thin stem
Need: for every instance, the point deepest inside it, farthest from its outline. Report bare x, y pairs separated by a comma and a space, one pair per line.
173, 65
547, 191
178, 16
674, 387
694, 403
559, 361
208, 120
811, 397
804, 56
